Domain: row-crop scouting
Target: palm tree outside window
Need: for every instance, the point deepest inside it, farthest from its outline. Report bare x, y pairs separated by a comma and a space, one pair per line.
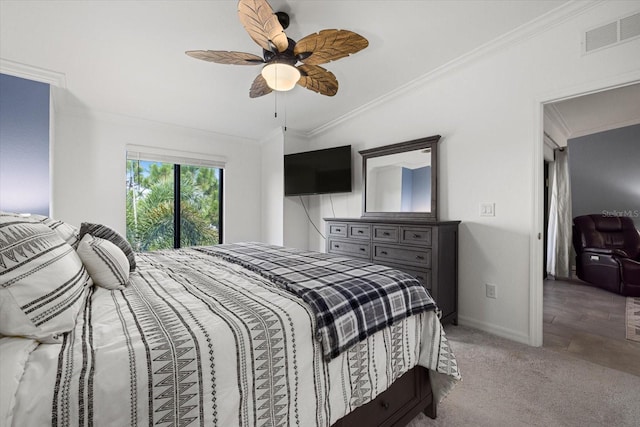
173, 205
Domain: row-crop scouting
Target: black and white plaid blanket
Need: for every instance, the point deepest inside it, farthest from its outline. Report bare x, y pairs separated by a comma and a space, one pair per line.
352, 299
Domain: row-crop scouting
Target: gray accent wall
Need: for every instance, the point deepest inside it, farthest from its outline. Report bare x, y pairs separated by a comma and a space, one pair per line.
24, 145
416, 190
604, 169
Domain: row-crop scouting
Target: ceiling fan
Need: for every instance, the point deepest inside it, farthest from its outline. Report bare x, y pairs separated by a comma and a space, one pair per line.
281, 54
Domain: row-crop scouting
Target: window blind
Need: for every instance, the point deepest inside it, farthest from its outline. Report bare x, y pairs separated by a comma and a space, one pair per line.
155, 154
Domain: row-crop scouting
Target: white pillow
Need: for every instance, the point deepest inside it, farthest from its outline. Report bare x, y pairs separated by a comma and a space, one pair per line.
68, 232
42, 281
106, 263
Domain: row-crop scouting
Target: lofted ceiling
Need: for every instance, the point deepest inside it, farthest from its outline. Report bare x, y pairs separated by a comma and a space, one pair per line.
127, 57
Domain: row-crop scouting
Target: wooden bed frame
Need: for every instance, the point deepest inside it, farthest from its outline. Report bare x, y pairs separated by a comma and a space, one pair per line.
407, 397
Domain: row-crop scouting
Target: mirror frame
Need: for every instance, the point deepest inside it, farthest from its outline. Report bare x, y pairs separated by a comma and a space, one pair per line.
416, 144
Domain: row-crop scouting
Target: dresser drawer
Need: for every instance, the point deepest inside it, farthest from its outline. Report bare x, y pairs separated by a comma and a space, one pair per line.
337, 230
426, 250
415, 235
385, 233
359, 231
423, 276
418, 257
350, 248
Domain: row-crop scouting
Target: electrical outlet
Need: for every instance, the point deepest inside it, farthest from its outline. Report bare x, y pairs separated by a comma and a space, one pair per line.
491, 291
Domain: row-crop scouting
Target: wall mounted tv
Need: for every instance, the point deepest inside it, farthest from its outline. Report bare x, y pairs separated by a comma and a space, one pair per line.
318, 172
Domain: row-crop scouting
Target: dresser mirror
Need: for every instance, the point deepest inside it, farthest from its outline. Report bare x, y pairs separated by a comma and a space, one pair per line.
400, 180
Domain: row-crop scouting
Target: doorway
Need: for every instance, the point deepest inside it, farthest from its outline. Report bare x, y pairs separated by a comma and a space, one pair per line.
582, 320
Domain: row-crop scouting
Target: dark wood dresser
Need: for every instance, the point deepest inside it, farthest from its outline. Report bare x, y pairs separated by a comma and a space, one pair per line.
426, 250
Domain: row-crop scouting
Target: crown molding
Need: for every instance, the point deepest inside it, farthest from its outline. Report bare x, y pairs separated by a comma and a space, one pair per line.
604, 128
30, 72
283, 132
552, 114
524, 32
296, 133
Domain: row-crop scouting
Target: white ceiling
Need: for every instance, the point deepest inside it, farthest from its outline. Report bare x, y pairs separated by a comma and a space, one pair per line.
598, 112
127, 57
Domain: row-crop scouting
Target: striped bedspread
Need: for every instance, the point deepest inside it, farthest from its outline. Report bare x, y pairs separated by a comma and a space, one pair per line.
195, 340
351, 299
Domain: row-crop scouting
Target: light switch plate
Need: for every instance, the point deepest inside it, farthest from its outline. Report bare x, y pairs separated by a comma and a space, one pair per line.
491, 290
487, 209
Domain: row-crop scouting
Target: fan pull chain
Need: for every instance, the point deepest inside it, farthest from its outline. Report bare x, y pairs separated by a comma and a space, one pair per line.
276, 96
285, 112
275, 113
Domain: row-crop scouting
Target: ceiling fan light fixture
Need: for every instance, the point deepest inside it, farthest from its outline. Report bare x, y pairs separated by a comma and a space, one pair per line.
281, 54
280, 76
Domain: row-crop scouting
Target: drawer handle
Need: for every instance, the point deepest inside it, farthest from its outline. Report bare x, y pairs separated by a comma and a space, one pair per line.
386, 233
362, 249
417, 236
384, 404
338, 230
419, 257
360, 231
383, 252
336, 246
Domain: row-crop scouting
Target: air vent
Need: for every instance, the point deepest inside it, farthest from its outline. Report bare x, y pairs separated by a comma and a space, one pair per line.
601, 36
630, 27
616, 32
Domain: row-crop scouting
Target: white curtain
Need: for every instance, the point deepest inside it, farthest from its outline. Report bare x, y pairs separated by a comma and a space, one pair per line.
560, 220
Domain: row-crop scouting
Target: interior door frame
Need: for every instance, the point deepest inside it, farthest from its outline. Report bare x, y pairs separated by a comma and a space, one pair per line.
537, 234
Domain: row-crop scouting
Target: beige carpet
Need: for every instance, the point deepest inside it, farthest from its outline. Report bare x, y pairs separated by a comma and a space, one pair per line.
633, 319
509, 384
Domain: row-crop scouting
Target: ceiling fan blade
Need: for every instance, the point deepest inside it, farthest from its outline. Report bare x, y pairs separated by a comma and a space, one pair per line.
317, 79
259, 87
328, 45
262, 24
224, 57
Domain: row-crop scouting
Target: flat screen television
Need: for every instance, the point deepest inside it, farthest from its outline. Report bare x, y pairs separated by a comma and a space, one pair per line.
318, 172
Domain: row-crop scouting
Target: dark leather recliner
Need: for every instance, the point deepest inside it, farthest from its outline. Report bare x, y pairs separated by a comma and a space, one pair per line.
608, 253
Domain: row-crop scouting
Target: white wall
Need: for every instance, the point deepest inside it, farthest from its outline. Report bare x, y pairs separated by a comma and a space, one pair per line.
284, 221
488, 113
388, 184
89, 164
296, 223
272, 189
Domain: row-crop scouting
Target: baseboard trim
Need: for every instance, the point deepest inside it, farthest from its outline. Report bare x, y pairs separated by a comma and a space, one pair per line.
494, 329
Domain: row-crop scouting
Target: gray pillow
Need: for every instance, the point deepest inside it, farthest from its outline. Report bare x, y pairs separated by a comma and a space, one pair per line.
104, 232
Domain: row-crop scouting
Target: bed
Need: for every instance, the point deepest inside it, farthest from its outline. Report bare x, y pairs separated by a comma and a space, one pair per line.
235, 334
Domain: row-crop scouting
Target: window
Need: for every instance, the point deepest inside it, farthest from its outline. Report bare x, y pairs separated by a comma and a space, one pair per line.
172, 204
